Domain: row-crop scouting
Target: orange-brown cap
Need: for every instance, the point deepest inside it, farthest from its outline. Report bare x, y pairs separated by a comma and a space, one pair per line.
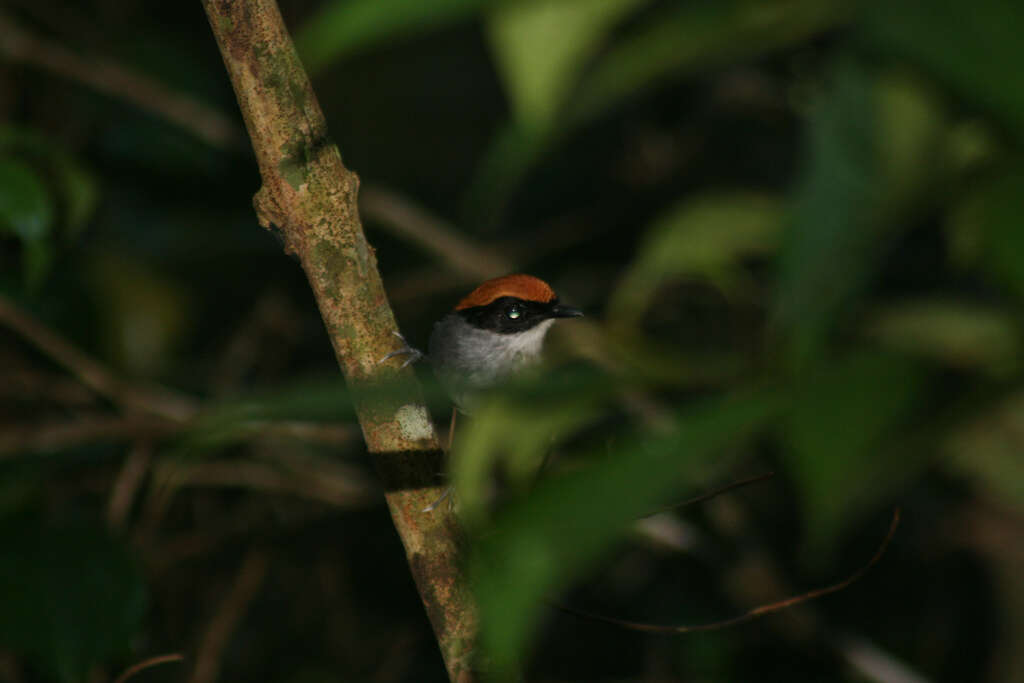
526, 287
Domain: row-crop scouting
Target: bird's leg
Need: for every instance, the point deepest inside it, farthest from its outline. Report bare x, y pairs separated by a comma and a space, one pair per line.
432, 506
451, 429
414, 354
447, 491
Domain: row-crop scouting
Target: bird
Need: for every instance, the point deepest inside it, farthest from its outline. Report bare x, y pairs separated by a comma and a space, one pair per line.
493, 333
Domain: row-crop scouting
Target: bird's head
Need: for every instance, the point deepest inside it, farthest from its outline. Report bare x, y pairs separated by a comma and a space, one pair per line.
512, 304
494, 331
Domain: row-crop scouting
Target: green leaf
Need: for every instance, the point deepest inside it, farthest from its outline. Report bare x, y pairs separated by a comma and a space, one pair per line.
659, 361
512, 152
145, 314
516, 426
74, 186
540, 47
26, 206
839, 225
540, 542
79, 192
703, 237
72, 597
37, 258
341, 27
231, 421
955, 333
987, 450
687, 37
680, 40
973, 47
838, 437
913, 143
985, 227
875, 160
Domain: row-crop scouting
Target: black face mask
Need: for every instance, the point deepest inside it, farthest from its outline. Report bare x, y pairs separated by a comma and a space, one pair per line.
510, 315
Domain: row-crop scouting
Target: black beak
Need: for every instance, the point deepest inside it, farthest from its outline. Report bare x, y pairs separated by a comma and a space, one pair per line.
560, 311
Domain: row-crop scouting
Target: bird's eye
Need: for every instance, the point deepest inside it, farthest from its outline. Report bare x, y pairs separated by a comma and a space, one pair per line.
514, 311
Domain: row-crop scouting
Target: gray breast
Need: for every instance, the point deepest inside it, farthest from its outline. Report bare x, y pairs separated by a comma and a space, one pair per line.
468, 359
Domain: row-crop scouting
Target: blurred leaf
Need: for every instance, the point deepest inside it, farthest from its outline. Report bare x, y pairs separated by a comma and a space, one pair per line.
703, 237
839, 437
985, 227
678, 40
955, 333
341, 27
688, 37
78, 190
515, 427
971, 144
539, 543
26, 207
513, 150
850, 202
540, 46
231, 421
27, 211
912, 127
72, 597
660, 362
988, 449
74, 186
144, 313
974, 47
158, 147
37, 258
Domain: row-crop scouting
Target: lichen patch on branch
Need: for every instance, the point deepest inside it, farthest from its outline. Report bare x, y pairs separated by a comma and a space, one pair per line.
414, 422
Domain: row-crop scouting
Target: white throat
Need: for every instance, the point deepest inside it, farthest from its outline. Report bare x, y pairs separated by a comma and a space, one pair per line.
481, 357
527, 344
467, 359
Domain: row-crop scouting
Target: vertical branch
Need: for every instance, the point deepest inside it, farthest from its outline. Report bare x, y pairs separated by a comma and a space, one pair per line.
310, 197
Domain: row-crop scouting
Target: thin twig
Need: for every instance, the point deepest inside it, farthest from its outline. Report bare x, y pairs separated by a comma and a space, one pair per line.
411, 222
334, 485
145, 398
230, 612
24, 384
88, 429
129, 479
146, 664
271, 315
52, 436
326, 433
749, 615
167, 553
714, 492
427, 282
110, 77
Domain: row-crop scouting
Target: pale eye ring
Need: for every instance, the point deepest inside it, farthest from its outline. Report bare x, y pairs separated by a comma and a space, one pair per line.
514, 312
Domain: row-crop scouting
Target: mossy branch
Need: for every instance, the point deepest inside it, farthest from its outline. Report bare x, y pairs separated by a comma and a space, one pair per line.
310, 198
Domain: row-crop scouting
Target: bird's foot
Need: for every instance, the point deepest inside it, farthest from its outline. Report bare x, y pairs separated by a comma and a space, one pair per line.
414, 354
447, 494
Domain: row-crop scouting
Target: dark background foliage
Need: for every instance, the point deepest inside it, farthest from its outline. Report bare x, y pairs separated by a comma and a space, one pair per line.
793, 224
